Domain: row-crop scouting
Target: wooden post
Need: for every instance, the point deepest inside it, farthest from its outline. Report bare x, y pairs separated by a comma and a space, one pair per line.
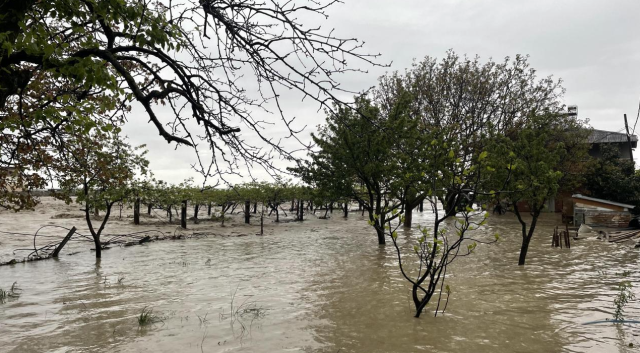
136, 211
247, 211
56, 252
560, 236
183, 215
626, 125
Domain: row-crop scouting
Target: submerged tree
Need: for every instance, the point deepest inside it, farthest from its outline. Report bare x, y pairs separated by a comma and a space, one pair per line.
366, 156
80, 62
533, 162
435, 249
103, 167
428, 133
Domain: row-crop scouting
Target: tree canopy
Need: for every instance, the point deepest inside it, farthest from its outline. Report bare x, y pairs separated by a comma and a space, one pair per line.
613, 178
88, 62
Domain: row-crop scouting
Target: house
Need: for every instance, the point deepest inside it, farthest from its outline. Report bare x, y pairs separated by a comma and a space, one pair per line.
600, 213
598, 138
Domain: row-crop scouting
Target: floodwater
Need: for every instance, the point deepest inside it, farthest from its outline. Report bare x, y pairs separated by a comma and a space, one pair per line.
319, 286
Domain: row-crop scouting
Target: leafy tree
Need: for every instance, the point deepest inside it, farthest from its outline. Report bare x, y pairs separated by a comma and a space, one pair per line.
533, 162
362, 155
466, 102
456, 109
435, 249
104, 167
87, 62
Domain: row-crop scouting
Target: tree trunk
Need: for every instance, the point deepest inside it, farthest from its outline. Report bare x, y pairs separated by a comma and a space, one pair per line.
262, 223
183, 215
408, 215
423, 304
96, 212
300, 210
421, 205
346, 210
196, 209
523, 250
331, 208
136, 211
293, 205
96, 244
149, 206
209, 209
255, 207
526, 236
247, 211
381, 239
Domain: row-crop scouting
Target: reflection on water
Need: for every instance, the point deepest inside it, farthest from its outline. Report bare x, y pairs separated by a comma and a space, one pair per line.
321, 286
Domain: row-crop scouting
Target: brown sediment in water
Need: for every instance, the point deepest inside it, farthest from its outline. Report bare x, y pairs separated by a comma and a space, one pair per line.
318, 286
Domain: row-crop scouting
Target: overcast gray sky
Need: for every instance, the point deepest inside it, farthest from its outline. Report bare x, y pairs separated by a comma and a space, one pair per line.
593, 45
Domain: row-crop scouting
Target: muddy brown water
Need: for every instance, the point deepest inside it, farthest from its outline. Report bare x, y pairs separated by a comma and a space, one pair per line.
319, 286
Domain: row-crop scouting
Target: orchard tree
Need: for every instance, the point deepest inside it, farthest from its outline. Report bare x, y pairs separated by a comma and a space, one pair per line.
365, 155
452, 182
276, 194
83, 62
533, 162
104, 167
459, 107
466, 103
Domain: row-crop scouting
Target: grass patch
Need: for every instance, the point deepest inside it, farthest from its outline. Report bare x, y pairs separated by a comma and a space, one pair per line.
147, 317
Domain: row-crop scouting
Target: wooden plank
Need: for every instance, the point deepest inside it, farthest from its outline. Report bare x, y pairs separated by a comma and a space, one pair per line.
64, 242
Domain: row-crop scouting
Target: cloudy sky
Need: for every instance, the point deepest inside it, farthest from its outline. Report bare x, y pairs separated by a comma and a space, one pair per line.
593, 45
